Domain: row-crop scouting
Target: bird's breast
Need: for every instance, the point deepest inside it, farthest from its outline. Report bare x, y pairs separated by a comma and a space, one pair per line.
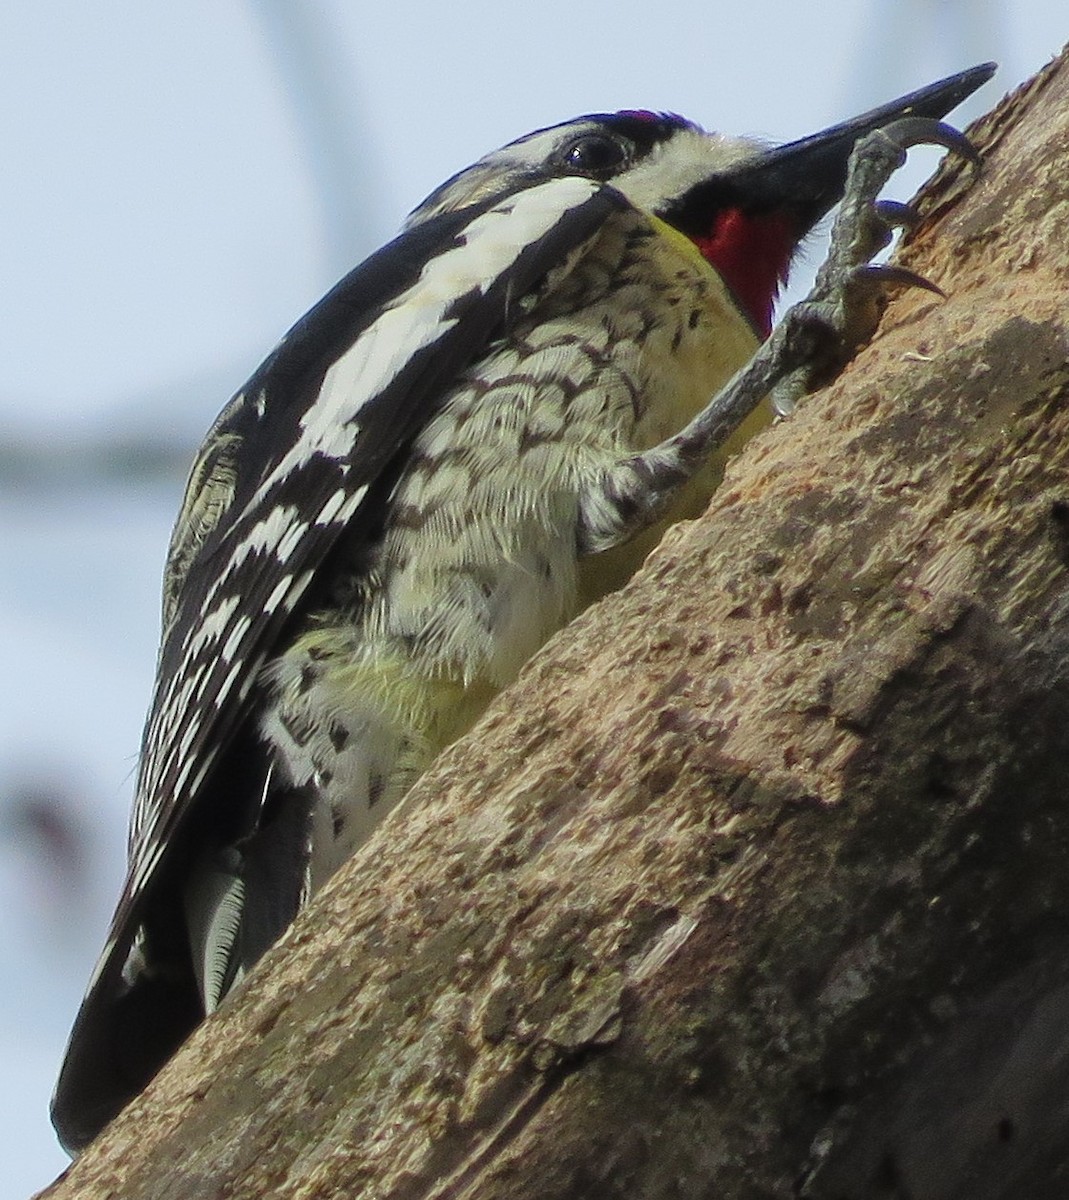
477, 565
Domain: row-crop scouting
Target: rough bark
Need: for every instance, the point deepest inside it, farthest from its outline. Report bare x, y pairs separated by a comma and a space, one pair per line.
757, 884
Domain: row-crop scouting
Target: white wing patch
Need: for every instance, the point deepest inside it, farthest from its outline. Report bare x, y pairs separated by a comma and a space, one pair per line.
279, 594
417, 317
233, 642
263, 536
332, 507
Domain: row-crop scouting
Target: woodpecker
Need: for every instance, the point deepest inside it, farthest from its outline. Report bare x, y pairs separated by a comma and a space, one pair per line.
477, 432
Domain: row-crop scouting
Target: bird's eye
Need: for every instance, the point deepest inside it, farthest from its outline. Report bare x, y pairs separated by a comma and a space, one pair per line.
595, 154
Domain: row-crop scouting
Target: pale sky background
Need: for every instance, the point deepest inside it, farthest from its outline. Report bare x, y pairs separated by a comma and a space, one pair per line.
179, 184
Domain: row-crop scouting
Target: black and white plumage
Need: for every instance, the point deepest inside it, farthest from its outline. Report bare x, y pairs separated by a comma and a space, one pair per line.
347, 568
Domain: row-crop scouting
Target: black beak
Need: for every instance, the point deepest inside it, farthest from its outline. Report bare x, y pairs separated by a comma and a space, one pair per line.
804, 179
812, 171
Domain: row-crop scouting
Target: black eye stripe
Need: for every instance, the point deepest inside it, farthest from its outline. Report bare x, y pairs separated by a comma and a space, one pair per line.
644, 130
615, 141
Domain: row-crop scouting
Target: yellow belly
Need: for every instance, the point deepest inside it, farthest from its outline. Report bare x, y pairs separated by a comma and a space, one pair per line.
478, 568
717, 341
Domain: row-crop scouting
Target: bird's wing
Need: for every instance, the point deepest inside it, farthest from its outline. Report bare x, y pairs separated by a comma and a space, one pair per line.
287, 467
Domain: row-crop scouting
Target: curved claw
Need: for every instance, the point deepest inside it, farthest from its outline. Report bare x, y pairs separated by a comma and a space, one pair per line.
884, 273
896, 215
924, 131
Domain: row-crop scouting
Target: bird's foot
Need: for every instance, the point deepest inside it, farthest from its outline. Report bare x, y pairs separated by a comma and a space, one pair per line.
820, 334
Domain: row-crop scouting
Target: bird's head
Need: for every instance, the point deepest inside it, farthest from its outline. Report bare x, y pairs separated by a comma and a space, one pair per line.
744, 205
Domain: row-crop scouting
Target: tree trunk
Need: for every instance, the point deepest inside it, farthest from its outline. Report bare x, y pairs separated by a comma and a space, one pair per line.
757, 884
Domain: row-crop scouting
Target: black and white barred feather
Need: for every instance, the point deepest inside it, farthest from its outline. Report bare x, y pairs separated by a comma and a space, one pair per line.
282, 475
294, 456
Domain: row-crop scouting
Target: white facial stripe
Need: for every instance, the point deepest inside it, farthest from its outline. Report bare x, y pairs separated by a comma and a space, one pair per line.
532, 151
675, 166
492, 172
669, 170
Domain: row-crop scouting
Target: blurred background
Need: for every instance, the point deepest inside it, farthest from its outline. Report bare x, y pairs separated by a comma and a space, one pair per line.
179, 184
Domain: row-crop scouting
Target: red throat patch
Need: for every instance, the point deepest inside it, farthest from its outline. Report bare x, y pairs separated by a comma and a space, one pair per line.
752, 255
